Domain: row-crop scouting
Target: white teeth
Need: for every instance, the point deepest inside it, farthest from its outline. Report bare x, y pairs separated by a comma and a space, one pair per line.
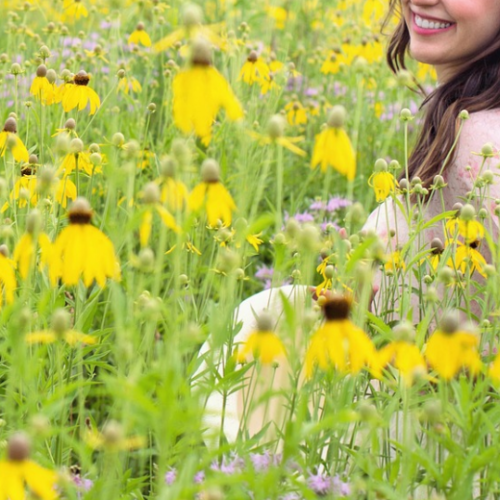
430, 25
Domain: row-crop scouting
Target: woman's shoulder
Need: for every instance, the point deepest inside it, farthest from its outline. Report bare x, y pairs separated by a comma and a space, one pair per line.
483, 125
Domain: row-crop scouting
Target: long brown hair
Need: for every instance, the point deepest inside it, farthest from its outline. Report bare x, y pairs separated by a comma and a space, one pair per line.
475, 88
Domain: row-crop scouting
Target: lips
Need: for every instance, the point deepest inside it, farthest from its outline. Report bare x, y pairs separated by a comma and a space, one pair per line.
424, 25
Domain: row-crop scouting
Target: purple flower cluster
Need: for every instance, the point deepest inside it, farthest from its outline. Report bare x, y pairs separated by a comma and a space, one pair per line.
323, 484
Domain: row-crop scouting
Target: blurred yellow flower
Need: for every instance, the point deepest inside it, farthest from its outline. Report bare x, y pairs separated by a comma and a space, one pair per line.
129, 84
406, 357
468, 259
449, 350
8, 281
384, 184
71, 337
24, 255
296, 113
81, 251
262, 344
139, 36
333, 148
199, 92
79, 94
211, 195
41, 88
10, 140
18, 472
339, 344
74, 9
255, 70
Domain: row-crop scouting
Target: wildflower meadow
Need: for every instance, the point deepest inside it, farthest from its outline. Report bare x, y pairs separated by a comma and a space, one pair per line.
161, 163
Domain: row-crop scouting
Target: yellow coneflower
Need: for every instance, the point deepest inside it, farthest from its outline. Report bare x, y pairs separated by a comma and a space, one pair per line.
465, 225
139, 36
449, 350
69, 129
70, 161
211, 195
333, 148
327, 271
174, 192
10, 140
60, 329
112, 438
199, 92
151, 198
383, 182
468, 259
296, 114
8, 283
25, 188
98, 53
494, 369
437, 249
263, 344
74, 9
276, 134
80, 94
254, 241
339, 344
403, 353
255, 70
17, 472
81, 251
33, 239
331, 65
128, 84
395, 262
41, 88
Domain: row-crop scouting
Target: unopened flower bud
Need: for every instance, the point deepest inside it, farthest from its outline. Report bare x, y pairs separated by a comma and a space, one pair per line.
118, 139
146, 260
463, 115
61, 321
95, 159
33, 221
329, 272
152, 107
121, 73
487, 149
228, 261
404, 185
405, 115
437, 246
488, 176
438, 182
404, 331
112, 433
16, 69
445, 275
44, 52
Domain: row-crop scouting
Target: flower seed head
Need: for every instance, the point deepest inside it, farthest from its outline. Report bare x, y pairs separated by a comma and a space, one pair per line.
146, 260
81, 78
265, 322
4, 250
201, 52
95, 159
10, 125
33, 159
192, 15
276, 127
70, 124
405, 115
253, 56
337, 116
438, 181
337, 308
381, 165
457, 207
210, 171
44, 52
61, 321
151, 193
450, 322
18, 447
168, 166
487, 149
404, 331
112, 432
329, 272
41, 71
463, 115
76, 145
80, 211
437, 246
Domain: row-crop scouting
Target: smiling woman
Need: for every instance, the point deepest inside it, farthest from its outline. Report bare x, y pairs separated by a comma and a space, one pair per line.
440, 31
